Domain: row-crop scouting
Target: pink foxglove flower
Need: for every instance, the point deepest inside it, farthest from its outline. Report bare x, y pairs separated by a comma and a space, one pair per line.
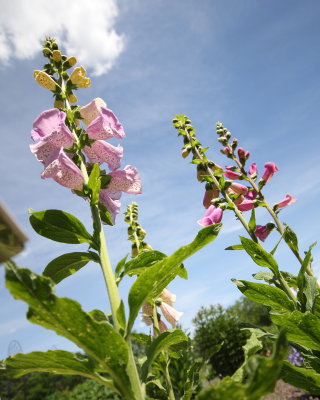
105, 126
162, 326
238, 188
213, 215
42, 151
101, 151
51, 128
126, 180
170, 314
269, 170
262, 232
246, 205
92, 110
147, 314
229, 173
209, 195
63, 170
168, 297
285, 202
251, 195
111, 200
253, 169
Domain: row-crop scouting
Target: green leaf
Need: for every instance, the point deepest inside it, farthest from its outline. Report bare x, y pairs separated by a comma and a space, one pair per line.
266, 276
252, 221
303, 328
235, 247
67, 264
105, 215
258, 254
265, 294
120, 266
151, 282
307, 284
160, 343
66, 317
290, 238
105, 180
94, 184
182, 272
60, 226
142, 262
304, 378
121, 315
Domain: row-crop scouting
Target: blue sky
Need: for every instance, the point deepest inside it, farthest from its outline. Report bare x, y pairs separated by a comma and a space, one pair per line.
251, 64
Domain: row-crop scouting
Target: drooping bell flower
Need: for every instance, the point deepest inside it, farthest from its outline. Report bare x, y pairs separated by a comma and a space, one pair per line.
105, 126
285, 202
230, 174
92, 110
170, 314
251, 195
111, 200
126, 180
42, 151
101, 151
162, 326
269, 170
45, 80
78, 77
50, 127
209, 195
63, 170
213, 215
147, 314
238, 188
263, 231
168, 297
246, 205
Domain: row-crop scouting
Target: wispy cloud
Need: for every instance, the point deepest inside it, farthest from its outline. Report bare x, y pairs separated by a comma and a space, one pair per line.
85, 29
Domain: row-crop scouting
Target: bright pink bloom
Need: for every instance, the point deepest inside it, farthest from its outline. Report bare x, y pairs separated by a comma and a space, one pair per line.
251, 195
229, 173
91, 111
238, 188
101, 151
51, 128
241, 152
105, 126
213, 215
170, 314
246, 205
111, 200
269, 169
42, 151
225, 151
126, 180
262, 232
253, 169
63, 170
285, 202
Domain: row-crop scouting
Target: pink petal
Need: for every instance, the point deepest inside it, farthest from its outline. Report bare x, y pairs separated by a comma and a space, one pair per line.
126, 180
238, 188
101, 151
92, 110
286, 201
63, 170
112, 203
168, 297
42, 151
170, 314
246, 205
105, 126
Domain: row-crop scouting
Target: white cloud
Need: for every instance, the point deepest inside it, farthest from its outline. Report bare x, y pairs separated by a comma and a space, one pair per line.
85, 29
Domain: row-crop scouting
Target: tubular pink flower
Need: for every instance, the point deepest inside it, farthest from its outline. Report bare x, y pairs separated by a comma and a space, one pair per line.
269, 169
241, 153
42, 151
51, 128
105, 126
162, 326
262, 232
170, 314
147, 313
126, 180
213, 215
253, 169
285, 202
251, 195
92, 110
63, 170
229, 173
110, 199
246, 205
208, 196
101, 151
238, 188
168, 297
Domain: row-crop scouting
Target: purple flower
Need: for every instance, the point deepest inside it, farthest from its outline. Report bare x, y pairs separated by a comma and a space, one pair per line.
42, 151
63, 170
111, 200
126, 180
50, 127
213, 215
229, 173
251, 195
253, 169
262, 232
105, 126
246, 205
101, 151
269, 169
285, 202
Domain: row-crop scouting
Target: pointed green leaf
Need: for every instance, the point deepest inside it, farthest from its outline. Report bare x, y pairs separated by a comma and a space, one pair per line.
235, 247
252, 221
304, 378
66, 317
258, 254
67, 264
120, 266
94, 184
151, 282
142, 261
266, 276
121, 315
160, 343
290, 238
303, 328
308, 286
59, 226
265, 294
105, 215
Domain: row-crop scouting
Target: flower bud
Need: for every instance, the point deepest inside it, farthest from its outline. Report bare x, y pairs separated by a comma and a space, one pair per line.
201, 170
70, 62
134, 250
185, 152
209, 195
56, 56
59, 104
72, 98
223, 140
147, 246
78, 77
234, 143
44, 80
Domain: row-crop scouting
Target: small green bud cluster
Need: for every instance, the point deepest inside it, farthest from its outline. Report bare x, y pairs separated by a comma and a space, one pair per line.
136, 233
